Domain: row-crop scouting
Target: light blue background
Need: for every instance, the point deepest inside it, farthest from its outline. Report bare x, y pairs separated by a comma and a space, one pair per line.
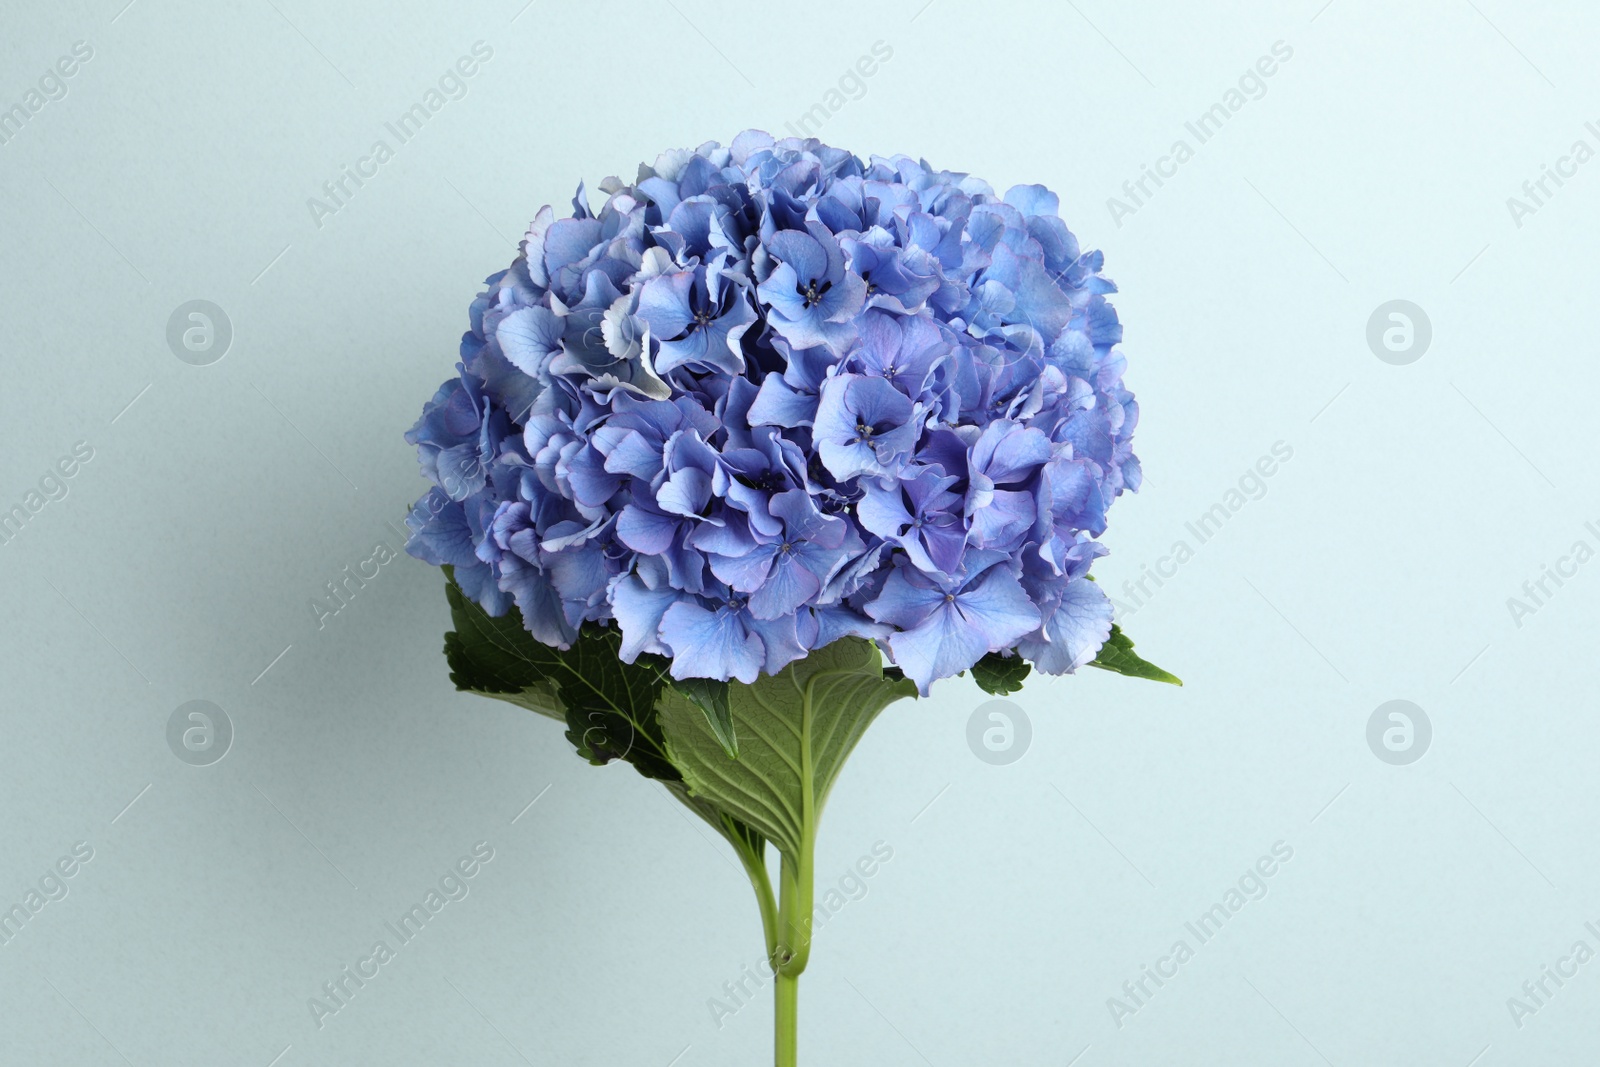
1376, 566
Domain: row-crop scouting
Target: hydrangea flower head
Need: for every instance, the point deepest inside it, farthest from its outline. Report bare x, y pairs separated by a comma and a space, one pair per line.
771, 395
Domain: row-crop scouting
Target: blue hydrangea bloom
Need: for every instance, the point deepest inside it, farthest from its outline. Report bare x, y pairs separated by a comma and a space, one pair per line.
772, 395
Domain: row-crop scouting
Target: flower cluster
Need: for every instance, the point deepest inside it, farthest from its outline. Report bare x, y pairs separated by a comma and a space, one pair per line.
771, 395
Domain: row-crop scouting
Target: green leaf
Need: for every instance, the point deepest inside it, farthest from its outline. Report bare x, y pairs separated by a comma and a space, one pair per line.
609, 706
484, 654
795, 730
746, 840
749, 846
1000, 675
711, 696
1117, 655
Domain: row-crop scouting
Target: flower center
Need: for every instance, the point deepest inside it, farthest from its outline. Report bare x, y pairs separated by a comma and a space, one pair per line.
813, 292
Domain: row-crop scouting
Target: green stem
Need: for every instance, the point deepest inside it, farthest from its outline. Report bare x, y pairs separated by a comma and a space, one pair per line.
796, 895
794, 918
788, 1026
754, 858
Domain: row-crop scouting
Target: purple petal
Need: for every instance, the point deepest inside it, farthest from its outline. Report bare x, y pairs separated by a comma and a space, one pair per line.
664, 304
787, 587
638, 610
710, 644
906, 600
646, 531
804, 255
1072, 633
529, 337
997, 605
779, 405
744, 573
944, 644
